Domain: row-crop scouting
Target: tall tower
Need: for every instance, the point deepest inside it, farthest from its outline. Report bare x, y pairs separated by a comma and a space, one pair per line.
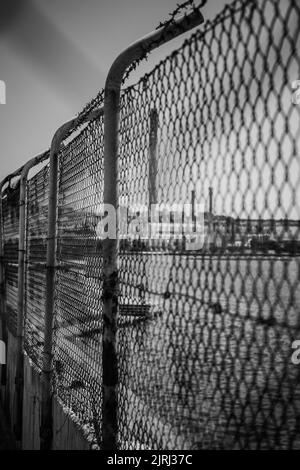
152, 189
193, 200
210, 193
210, 228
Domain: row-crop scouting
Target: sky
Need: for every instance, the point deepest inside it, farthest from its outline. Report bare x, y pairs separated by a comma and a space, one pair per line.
54, 57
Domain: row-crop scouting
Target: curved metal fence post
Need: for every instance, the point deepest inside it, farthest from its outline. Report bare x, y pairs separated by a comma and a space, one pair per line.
111, 246
21, 291
46, 431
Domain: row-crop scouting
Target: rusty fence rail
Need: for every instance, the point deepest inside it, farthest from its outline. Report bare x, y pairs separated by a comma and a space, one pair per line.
152, 342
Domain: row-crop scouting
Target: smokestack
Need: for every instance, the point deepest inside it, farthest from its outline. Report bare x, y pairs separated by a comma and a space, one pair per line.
193, 198
210, 191
153, 157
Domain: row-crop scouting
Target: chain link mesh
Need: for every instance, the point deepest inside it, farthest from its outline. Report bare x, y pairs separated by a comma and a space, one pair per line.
205, 354
205, 336
35, 264
10, 222
78, 306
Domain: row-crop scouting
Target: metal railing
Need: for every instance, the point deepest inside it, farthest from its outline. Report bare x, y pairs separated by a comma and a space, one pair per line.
152, 344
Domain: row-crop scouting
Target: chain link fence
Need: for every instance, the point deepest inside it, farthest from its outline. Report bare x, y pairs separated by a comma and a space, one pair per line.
205, 333
35, 264
10, 224
78, 307
206, 363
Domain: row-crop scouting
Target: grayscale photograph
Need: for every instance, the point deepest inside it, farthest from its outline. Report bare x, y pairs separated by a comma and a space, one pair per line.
149, 228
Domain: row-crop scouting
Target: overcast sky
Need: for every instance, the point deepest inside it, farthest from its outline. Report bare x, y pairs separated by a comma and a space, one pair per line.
54, 57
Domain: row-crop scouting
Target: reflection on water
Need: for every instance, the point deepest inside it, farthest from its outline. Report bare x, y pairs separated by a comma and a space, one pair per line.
197, 376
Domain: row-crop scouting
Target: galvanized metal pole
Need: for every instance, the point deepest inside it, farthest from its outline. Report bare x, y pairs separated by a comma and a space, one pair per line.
111, 246
46, 431
21, 291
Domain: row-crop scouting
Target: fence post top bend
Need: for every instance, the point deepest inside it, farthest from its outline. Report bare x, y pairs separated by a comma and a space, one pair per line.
65, 128
10, 177
148, 43
31, 163
24, 169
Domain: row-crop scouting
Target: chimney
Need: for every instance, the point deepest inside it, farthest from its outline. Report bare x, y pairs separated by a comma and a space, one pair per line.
210, 191
153, 158
193, 200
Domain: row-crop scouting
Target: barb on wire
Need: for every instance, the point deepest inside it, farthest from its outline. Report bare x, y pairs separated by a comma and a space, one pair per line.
186, 6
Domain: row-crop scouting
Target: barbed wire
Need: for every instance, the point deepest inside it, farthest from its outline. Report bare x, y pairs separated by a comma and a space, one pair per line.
184, 7
180, 8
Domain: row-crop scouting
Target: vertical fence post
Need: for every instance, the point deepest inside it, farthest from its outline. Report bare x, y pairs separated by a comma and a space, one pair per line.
111, 246
46, 431
110, 276
19, 380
